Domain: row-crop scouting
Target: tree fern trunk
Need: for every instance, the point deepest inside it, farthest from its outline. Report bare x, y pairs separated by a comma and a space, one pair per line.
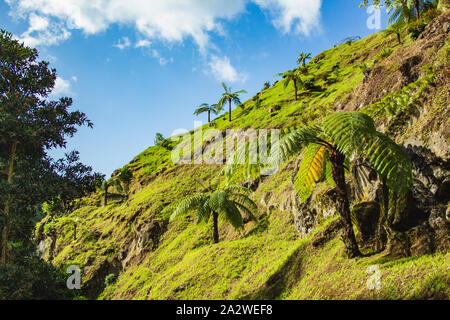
381, 232
215, 227
342, 205
8, 204
105, 200
229, 110
416, 5
209, 117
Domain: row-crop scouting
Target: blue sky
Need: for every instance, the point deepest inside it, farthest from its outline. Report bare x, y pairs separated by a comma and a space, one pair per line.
138, 67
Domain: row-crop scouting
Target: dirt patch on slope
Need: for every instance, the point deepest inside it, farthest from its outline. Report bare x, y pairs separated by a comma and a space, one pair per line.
402, 67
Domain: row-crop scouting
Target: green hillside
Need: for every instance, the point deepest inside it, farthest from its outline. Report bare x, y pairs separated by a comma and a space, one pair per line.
152, 257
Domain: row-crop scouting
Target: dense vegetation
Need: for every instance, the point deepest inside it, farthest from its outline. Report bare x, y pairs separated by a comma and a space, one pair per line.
122, 231
30, 125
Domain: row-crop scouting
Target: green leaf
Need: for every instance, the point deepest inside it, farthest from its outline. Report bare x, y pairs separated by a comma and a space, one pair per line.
311, 171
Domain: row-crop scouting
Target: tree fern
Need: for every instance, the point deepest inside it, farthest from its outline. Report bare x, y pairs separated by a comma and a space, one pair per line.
355, 132
229, 203
330, 145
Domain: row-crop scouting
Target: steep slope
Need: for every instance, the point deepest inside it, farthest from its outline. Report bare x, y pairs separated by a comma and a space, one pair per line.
292, 251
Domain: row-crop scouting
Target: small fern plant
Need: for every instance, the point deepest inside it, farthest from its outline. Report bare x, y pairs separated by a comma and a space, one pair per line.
228, 203
327, 147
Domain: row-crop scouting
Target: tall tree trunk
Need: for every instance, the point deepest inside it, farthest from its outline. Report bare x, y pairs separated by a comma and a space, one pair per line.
105, 202
229, 110
8, 204
215, 227
295, 88
342, 205
416, 5
209, 118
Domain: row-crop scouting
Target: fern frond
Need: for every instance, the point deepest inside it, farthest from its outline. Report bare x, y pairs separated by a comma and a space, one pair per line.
311, 170
231, 213
189, 204
349, 131
293, 142
391, 162
204, 211
245, 209
355, 132
243, 200
236, 189
218, 200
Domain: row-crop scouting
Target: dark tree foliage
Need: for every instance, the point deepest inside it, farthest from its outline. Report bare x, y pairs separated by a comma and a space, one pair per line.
31, 279
74, 180
158, 138
31, 125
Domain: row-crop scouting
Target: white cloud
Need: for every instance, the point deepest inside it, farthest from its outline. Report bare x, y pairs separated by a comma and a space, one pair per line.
62, 87
123, 43
168, 20
37, 23
299, 16
42, 31
142, 43
162, 61
222, 70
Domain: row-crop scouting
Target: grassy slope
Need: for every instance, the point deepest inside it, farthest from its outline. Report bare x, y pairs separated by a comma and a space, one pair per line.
268, 260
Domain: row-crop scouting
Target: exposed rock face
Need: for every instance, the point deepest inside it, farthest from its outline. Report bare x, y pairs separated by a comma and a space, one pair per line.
408, 71
146, 239
318, 208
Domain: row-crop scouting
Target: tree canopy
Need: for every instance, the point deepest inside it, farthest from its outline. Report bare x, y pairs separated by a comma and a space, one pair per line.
30, 125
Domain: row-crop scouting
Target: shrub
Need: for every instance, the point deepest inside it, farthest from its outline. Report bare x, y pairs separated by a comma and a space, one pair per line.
32, 279
323, 76
364, 66
386, 52
110, 279
158, 138
430, 15
416, 28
